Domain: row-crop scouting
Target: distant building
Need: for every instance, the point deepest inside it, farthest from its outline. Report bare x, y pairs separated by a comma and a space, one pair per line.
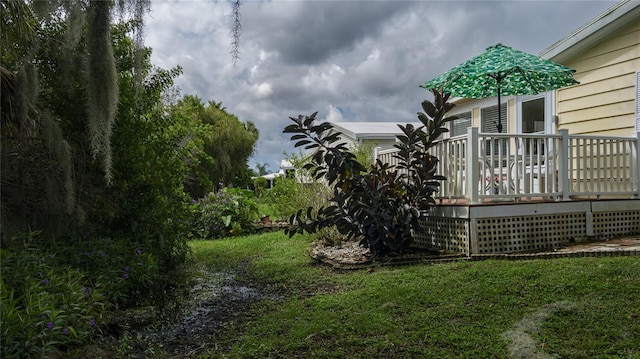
286, 169
375, 134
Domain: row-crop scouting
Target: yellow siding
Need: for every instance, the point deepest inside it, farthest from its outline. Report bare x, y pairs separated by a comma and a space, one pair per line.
597, 120
604, 102
596, 87
476, 117
599, 99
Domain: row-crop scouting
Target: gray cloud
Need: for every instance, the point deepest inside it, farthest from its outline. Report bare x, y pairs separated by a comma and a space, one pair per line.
349, 60
309, 33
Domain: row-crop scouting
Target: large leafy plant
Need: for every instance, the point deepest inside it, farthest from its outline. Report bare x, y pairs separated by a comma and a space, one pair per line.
229, 212
382, 204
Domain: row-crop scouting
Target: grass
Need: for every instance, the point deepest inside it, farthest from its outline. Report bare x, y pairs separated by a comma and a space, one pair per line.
569, 308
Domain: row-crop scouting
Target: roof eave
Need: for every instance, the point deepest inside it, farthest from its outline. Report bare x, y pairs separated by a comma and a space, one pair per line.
375, 136
593, 31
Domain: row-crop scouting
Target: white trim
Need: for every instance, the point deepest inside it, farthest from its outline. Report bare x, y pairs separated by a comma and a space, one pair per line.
637, 127
549, 110
593, 31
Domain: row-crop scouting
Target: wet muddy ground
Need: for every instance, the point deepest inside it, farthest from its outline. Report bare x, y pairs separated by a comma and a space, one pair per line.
217, 300
200, 319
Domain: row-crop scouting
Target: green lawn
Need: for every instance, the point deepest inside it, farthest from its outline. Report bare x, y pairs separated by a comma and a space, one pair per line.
567, 308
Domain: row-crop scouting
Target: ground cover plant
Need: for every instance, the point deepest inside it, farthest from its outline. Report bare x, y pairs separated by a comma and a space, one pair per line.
57, 295
573, 307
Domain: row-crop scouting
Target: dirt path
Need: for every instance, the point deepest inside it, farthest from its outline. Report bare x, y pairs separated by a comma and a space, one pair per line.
217, 302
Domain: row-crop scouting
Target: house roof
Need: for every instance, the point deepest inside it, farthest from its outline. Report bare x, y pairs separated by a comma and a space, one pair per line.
594, 31
370, 130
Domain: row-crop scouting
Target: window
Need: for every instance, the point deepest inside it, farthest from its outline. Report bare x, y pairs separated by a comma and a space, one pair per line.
532, 112
460, 125
533, 115
489, 124
489, 119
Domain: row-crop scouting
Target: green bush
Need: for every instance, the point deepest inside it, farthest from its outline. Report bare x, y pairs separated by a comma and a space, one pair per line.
288, 195
383, 205
230, 212
55, 295
127, 271
259, 186
46, 304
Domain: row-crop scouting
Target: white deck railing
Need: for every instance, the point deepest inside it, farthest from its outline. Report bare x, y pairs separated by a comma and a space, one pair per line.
524, 166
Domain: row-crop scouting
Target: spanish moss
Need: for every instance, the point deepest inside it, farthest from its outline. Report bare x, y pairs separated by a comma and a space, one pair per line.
235, 33
102, 86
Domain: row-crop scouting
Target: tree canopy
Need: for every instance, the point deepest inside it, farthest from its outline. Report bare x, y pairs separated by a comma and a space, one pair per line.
227, 144
89, 143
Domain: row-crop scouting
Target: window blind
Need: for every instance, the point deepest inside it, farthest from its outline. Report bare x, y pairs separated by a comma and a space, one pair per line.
489, 119
460, 125
489, 124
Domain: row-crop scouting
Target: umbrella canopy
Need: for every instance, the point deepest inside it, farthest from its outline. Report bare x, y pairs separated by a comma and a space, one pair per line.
502, 70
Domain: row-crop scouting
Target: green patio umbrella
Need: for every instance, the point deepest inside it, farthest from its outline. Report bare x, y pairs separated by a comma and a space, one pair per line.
502, 70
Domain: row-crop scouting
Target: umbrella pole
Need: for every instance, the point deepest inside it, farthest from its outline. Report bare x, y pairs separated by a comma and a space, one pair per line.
499, 112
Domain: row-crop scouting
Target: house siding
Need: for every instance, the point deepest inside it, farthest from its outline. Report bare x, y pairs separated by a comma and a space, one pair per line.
604, 102
383, 144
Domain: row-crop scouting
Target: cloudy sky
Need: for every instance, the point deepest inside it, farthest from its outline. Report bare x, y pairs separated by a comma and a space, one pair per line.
348, 60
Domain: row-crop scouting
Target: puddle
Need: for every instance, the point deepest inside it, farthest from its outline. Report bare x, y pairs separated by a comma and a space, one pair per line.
215, 301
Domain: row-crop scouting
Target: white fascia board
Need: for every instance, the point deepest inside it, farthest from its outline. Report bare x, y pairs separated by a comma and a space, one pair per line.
344, 131
593, 31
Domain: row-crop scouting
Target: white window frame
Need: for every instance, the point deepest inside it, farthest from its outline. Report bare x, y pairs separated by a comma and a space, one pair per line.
637, 125
549, 110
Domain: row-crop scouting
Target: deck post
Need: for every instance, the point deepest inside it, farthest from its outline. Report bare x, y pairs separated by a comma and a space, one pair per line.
563, 164
471, 166
635, 165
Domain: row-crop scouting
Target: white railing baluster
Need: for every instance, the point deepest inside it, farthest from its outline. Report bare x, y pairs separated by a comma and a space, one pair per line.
563, 159
471, 167
534, 165
635, 164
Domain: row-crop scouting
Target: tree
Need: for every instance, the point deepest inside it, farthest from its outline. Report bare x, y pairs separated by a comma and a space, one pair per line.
60, 102
146, 200
57, 50
226, 142
262, 168
382, 205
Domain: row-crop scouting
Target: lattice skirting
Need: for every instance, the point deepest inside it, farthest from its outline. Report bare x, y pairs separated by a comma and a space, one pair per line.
512, 228
526, 233
614, 224
444, 234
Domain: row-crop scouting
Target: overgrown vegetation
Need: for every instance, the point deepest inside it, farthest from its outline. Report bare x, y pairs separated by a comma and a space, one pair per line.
382, 205
289, 194
229, 212
55, 296
101, 157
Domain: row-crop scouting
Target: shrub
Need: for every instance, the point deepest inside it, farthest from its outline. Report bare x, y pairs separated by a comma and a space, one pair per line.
46, 304
259, 186
381, 204
288, 195
128, 271
229, 212
56, 294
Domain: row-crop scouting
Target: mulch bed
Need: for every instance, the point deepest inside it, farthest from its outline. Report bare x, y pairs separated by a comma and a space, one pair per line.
351, 255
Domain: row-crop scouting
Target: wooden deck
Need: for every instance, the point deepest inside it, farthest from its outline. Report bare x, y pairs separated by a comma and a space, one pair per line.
508, 193
498, 226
